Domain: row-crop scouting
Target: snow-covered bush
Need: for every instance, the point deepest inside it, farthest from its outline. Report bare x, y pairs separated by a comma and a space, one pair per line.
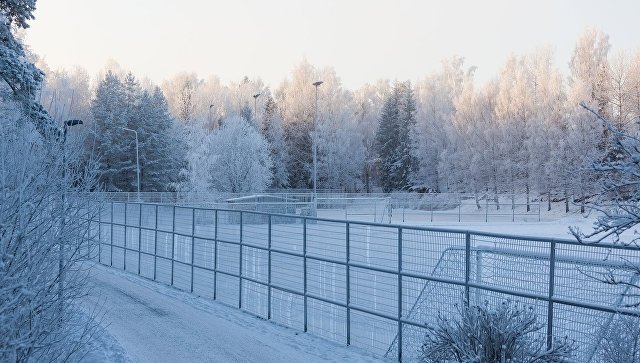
509, 332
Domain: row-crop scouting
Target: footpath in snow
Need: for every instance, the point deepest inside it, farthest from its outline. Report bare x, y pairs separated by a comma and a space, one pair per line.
151, 322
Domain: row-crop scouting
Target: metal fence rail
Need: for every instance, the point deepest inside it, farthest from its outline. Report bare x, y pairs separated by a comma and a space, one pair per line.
372, 285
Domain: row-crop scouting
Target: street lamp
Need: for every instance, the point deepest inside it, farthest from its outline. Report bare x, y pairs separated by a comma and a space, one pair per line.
137, 159
255, 105
210, 118
65, 126
315, 146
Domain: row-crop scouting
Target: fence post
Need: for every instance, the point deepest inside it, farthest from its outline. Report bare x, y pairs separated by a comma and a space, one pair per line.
460, 211
124, 260
348, 282
155, 244
139, 236
240, 267
193, 242
215, 255
467, 268
304, 268
269, 270
552, 273
173, 240
399, 294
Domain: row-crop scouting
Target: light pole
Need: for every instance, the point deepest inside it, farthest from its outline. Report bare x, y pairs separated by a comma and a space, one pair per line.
255, 106
137, 159
65, 125
315, 148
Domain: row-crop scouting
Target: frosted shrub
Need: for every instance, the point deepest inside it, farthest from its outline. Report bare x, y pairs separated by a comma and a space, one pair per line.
621, 342
509, 332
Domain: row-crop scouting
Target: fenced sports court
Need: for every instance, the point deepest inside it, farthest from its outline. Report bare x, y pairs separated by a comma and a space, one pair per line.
372, 285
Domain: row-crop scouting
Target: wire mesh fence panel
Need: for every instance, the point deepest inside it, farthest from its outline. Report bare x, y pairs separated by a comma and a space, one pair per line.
372, 333
228, 258
287, 272
287, 308
328, 321
165, 218
204, 253
228, 226
255, 234
373, 245
430, 253
163, 271
118, 239
205, 223
182, 276
254, 298
327, 280
585, 327
255, 264
327, 240
203, 282
287, 236
227, 289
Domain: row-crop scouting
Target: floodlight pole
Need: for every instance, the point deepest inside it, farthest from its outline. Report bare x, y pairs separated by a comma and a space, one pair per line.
315, 149
137, 159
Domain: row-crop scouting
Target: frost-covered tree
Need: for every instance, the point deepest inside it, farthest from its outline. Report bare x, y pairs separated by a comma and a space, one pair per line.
18, 73
239, 159
367, 103
43, 239
619, 188
393, 139
181, 93
335, 171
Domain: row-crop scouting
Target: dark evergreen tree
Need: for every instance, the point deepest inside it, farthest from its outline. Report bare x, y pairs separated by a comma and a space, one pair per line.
393, 139
112, 144
273, 132
123, 104
162, 151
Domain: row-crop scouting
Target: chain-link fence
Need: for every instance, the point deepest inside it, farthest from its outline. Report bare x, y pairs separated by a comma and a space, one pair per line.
372, 285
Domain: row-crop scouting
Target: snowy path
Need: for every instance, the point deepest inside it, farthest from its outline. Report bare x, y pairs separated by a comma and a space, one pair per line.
155, 323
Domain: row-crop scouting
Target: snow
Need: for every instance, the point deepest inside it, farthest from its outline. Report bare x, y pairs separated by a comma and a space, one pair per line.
155, 323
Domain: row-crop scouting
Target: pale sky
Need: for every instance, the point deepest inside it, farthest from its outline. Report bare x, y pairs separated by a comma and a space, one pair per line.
364, 40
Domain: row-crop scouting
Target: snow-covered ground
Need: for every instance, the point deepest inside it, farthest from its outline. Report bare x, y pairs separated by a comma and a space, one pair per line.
149, 322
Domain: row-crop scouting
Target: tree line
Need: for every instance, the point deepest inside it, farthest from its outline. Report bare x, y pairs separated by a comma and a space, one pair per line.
523, 131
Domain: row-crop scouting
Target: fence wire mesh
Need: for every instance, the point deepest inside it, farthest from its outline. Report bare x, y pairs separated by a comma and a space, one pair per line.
376, 286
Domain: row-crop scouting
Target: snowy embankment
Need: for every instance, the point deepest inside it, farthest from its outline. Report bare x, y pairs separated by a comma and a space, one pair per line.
148, 322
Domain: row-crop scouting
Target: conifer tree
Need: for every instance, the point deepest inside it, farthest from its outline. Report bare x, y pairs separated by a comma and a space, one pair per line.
393, 139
